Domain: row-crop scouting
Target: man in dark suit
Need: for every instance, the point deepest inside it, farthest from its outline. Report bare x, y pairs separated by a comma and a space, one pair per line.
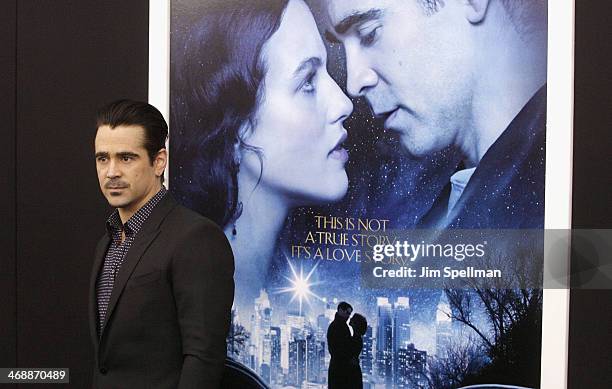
340, 348
162, 284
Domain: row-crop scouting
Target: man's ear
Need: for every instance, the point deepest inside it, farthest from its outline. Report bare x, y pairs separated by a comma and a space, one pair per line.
160, 161
476, 10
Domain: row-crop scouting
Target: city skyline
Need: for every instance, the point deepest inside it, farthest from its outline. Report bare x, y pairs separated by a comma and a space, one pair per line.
292, 351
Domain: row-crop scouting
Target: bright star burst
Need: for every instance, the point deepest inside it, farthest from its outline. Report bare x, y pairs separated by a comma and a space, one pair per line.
300, 285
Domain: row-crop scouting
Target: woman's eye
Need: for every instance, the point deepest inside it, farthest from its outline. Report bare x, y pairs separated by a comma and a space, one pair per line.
308, 86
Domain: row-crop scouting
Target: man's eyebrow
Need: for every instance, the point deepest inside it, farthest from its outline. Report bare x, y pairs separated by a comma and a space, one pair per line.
356, 18
122, 154
310, 63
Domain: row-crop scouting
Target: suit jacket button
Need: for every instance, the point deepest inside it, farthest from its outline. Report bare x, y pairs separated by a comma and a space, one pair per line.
103, 370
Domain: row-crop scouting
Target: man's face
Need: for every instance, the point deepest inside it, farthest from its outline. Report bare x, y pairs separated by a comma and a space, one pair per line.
125, 173
413, 68
345, 313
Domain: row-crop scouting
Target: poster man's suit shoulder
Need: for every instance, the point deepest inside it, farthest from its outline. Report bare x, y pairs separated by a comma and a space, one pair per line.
507, 187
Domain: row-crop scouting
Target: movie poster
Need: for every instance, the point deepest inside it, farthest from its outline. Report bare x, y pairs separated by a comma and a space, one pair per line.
387, 154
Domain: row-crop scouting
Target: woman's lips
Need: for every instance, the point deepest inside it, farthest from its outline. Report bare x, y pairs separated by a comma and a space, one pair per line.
340, 154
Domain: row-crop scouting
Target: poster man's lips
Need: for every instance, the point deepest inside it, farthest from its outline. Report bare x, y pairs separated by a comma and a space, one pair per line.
384, 113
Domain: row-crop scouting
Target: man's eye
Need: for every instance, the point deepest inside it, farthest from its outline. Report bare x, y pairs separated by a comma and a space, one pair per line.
101, 159
126, 159
368, 38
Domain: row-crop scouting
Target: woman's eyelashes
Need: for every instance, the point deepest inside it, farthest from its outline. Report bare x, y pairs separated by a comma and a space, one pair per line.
308, 85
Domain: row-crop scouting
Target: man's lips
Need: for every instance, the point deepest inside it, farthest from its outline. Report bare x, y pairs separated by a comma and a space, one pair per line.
385, 116
390, 118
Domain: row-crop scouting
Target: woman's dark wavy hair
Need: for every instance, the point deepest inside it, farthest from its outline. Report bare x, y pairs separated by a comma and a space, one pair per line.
217, 75
359, 323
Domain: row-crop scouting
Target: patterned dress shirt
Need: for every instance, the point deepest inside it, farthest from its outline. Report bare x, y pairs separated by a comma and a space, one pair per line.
117, 251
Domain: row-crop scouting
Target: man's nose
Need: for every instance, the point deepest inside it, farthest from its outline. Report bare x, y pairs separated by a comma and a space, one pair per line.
340, 105
113, 170
360, 75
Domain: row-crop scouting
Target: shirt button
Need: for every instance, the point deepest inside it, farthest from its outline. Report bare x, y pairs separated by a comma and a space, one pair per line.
103, 370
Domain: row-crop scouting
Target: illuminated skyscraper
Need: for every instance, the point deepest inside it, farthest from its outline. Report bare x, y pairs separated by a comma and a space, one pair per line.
366, 357
401, 323
261, 330
276, 372
384, 340
296, 320
297, 362
315, 358
401, 331
411, 368
322, 322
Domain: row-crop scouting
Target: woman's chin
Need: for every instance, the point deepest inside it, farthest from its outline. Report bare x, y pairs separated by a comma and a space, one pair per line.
335, 189
320, 190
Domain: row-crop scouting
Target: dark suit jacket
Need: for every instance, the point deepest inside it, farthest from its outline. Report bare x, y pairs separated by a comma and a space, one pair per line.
506, 190
169, 311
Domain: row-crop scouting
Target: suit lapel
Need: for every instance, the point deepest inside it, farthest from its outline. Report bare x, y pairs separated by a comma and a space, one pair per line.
97, 266
435, 218
146, 236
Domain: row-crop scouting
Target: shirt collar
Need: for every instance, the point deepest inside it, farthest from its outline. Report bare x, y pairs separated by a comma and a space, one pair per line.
134, 223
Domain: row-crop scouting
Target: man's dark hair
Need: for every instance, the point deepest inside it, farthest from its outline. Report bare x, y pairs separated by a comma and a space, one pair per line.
137, 113
430, 6
344, 306
523, 13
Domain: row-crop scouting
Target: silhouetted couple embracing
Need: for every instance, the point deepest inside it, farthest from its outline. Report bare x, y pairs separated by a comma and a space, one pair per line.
345, 343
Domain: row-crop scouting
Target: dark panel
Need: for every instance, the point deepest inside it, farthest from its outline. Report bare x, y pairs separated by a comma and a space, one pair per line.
590, 342
8, 345
593, 116
73, 56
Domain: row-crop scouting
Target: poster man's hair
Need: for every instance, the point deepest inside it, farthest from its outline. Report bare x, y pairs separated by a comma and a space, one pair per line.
524, 14
344, 306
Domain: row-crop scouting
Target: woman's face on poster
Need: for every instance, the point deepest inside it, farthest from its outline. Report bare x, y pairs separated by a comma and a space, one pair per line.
299, 122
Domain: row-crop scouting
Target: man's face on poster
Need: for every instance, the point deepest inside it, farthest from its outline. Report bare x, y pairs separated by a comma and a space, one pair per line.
345, 313
412, 64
